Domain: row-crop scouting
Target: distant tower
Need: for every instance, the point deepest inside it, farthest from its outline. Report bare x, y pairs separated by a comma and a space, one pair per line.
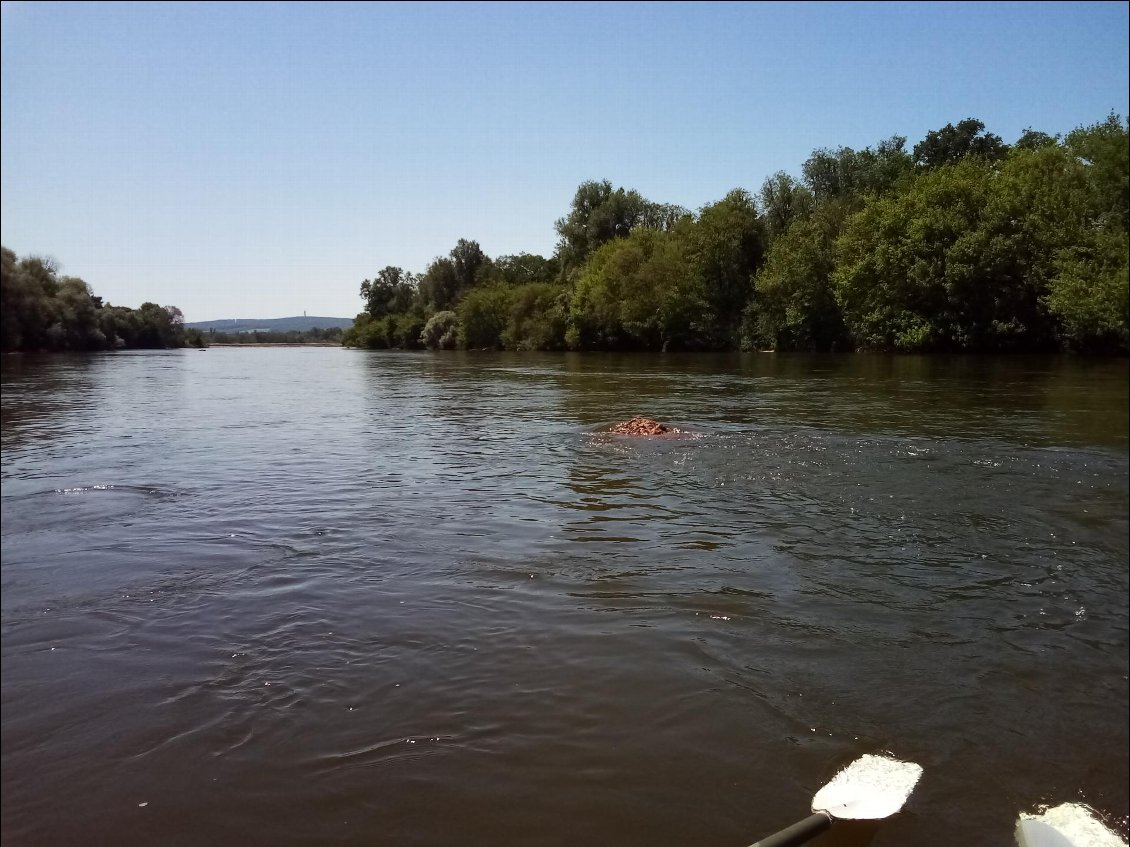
303, 313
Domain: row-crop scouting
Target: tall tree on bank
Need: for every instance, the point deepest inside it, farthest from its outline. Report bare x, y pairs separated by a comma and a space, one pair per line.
449, 277
600, 213
965, 258
794, 304
641, 292
1090, 290
784, 201
726, 245
40, 310
1104, 150
390, 292
794, 307
951, 144
846, 176
524, 268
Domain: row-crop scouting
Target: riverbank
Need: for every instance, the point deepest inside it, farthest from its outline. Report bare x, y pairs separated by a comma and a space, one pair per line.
280, 344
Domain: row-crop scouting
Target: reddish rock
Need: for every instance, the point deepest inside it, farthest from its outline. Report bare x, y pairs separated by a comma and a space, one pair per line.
640, 426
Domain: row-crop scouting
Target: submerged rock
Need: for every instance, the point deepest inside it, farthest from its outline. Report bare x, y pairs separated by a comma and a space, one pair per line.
641, 426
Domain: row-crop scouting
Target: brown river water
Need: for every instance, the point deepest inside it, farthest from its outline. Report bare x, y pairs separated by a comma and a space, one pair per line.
320, 596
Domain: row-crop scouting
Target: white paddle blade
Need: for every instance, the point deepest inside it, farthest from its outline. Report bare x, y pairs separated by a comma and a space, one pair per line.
1067, 825
870, 788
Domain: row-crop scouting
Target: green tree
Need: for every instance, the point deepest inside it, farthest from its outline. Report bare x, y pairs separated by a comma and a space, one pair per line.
962, 259
891, 259
600, 213
76, 312
29, 288
368, 332
846, 175
391, 291
1087, 291
120, 325
439, 284
538, 317
12, 296
783, 201
524, 268
44, 311
951, 144
1104, 149
725, 247
407, 329
484, 314
449, 277
158, 327
795, 307
663, 216
639, 292
1032, 139
470, 263
1090, 292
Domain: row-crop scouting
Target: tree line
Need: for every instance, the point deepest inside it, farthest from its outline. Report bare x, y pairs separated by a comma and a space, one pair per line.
314, 335
41, 310
961, 244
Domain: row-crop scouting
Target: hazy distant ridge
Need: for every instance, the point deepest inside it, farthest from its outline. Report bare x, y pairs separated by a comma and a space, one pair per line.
300, 323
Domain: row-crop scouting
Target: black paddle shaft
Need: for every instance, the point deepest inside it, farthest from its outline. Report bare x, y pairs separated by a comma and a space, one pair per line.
799, 832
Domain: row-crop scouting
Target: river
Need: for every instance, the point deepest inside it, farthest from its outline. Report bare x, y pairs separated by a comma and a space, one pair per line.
313, 595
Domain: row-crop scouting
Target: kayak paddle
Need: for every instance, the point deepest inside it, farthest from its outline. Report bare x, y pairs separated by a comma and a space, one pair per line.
1066, 825
870, 788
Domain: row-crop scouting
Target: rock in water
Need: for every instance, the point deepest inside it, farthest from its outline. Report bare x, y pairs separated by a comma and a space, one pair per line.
640, 426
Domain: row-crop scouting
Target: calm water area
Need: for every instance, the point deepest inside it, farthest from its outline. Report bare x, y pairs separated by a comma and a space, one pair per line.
321, 596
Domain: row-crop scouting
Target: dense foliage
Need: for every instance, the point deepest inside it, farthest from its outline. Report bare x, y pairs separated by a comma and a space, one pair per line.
964, 243
41, 310
316, 335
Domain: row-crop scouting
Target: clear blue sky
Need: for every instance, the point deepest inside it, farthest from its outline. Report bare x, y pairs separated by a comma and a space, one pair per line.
261, 160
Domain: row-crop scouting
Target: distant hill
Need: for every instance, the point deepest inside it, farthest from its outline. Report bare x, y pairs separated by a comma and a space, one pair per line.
299, 323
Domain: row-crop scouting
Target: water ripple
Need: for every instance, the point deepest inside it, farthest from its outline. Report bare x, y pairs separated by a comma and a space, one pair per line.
427, 596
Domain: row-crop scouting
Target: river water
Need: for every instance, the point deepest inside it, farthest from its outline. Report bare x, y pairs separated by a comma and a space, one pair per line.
297, 596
